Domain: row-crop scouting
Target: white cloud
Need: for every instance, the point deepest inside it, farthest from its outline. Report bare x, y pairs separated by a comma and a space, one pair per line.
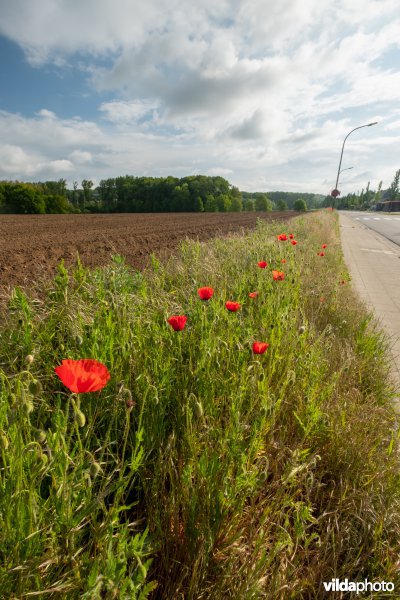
253, 87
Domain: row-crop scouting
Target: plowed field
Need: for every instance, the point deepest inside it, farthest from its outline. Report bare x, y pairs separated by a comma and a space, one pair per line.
32, 245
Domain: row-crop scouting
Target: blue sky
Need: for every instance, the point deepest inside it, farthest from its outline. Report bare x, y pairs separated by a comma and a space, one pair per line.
260, 93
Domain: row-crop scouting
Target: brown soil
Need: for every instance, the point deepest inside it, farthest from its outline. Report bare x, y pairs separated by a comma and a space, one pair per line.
32, 245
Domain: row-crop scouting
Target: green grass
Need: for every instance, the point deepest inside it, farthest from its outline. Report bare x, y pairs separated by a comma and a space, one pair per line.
202, 470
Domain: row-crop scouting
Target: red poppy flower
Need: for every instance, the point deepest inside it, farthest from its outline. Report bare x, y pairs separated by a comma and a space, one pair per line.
282, 237
278, 275
322, 299
323, 245
293, 242
262, 264
232, 306
343, 282
253, 294
283, 260
205, 293
85, 375
291, 236
260, 347
177, 322
321, 253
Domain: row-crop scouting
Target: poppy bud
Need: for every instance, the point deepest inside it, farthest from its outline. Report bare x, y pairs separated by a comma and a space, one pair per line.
78, 340
4, 441
198, 409
302, 329
94, 469
35, 387
29, 359
80, 418
127, 395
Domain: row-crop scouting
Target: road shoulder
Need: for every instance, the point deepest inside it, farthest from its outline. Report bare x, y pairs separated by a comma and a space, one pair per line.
374, 265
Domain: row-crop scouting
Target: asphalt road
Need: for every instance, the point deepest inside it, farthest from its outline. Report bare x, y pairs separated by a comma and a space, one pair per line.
384, 223
371, 249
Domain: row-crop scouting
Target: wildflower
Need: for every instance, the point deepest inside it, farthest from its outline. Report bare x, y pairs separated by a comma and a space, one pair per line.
342, 282
232, 306
278, 275
321, 253
322, 299
323, 245
293, 242
282, 237
260, 347
283, 260
302, 329
177, 322
253, 294
85, 375
29, 359
291, 236
205, 293
262, 264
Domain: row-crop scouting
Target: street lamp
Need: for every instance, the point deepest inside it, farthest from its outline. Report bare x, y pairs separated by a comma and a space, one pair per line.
336, 192
347, 169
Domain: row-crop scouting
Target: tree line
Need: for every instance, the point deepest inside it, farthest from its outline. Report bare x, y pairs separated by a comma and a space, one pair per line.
368, 199
195, 193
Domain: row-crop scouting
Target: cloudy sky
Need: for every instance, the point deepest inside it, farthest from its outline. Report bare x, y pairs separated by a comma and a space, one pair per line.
261, 92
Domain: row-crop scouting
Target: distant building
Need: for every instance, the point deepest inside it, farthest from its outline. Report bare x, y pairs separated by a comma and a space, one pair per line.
386, 204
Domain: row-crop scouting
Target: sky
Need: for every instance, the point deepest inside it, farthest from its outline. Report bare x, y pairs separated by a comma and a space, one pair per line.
262, 93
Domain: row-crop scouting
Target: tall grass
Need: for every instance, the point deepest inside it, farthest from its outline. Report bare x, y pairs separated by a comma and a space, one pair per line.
202, 471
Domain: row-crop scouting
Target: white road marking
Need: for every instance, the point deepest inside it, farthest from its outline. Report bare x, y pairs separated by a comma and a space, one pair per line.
375, 250
377, 218
366, 218
388, 218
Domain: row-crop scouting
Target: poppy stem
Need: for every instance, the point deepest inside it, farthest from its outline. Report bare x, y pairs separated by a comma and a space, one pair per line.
126, 433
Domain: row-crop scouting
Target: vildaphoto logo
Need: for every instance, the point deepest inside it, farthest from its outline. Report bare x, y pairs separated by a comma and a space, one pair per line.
336, 585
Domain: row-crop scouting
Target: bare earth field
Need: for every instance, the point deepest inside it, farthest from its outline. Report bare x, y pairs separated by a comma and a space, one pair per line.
32, 245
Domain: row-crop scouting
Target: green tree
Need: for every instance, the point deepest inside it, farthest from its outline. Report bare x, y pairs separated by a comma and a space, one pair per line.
211, 204
87, 185
250, 205
198, 205
378, 193
394, 187
56, 204
300, 204
281, 205
236, 204
263, 203
25, 199
224, 203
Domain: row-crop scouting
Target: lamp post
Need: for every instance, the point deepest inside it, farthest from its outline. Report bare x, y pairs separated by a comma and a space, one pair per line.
347, 169
336, 192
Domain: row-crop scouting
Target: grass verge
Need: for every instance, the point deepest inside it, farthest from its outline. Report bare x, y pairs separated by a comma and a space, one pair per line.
202, 470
